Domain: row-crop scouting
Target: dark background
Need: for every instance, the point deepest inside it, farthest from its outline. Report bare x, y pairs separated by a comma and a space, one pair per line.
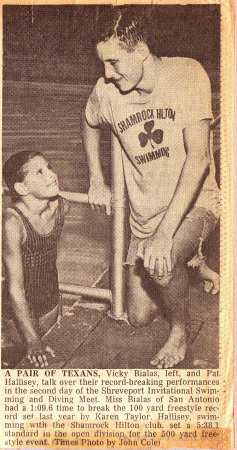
55, 43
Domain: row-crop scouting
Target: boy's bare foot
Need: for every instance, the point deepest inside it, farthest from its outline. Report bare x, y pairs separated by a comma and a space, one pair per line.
173, 351
211, 278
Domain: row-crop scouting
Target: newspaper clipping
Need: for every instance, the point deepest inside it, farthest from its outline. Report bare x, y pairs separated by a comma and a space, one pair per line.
117, 305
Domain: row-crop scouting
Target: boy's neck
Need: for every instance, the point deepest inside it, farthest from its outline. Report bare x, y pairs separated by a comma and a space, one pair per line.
149, 79
34, 205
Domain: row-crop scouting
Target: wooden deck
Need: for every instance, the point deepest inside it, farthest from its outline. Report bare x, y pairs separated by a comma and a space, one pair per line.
88, 338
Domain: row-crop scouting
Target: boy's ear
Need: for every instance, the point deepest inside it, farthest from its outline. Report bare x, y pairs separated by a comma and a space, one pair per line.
142, 51
20, 188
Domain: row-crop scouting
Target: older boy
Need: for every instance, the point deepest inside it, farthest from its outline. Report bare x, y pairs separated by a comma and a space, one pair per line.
159, 109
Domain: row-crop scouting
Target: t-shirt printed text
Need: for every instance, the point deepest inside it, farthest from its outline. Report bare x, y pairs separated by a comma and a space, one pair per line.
151, 156
148, 114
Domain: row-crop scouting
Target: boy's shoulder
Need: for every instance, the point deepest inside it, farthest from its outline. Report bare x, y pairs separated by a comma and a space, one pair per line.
182, 63
13, 228
11, 215
184, 73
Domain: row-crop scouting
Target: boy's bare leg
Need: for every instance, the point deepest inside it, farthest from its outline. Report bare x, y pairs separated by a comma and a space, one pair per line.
175, 296
141, 307
173, 289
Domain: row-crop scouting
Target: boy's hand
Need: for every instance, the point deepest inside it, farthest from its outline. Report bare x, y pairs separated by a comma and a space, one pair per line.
100, 196
36, 353
156, 254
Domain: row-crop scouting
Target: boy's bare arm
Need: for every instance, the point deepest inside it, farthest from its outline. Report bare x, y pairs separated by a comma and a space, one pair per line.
193, 174
12, 239
99, 193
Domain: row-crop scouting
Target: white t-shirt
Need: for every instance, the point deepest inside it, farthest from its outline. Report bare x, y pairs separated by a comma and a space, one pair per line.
150, 131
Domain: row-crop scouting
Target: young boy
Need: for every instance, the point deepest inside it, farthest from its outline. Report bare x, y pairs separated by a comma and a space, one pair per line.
159, 110
31, 230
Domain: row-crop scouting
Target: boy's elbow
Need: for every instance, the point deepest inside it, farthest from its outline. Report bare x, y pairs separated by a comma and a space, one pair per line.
202, 163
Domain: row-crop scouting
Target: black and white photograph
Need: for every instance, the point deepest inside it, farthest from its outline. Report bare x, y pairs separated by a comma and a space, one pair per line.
111, 187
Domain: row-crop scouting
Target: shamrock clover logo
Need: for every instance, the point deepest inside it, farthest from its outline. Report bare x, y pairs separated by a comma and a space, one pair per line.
156, 135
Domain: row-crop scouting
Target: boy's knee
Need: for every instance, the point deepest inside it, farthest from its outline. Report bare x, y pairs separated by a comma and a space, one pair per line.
139, 319
134, 320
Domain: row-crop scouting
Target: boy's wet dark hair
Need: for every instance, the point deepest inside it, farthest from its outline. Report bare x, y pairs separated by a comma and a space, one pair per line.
15, 169
127, 24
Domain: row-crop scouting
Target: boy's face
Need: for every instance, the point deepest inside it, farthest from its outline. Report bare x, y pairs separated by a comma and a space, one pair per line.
40, 181
123, 68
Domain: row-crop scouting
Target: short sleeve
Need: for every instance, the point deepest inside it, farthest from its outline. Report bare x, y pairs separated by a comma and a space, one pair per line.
94, 108
195, 96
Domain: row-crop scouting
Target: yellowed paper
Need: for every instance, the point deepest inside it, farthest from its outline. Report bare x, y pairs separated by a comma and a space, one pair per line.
99, 388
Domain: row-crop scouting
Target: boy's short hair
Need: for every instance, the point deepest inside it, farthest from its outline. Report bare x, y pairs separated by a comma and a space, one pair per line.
15, 170
127, 24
